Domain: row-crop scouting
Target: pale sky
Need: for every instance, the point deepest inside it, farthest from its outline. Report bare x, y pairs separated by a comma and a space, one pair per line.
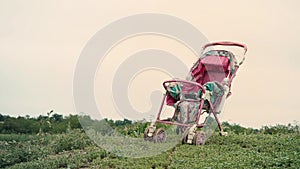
40, 42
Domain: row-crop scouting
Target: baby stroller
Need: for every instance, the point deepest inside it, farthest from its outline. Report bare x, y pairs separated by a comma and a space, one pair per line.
205, 91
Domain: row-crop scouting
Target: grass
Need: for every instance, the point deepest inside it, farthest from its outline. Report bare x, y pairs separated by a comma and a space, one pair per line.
75, 150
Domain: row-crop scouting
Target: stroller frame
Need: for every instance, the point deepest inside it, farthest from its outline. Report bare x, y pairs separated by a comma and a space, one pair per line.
191, 136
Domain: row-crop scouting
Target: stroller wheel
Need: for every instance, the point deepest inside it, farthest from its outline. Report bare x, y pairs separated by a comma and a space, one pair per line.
199, 138
160, 135
146, 134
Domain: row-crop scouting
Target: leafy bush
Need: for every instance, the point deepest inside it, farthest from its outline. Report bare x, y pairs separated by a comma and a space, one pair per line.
75, 139
280, 129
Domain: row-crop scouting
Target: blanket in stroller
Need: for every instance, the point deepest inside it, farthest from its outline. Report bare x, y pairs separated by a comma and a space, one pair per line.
186, 111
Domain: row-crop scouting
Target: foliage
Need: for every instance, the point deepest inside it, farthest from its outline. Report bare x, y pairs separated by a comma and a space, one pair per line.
63, 144
52, 123
280, 129
24, 148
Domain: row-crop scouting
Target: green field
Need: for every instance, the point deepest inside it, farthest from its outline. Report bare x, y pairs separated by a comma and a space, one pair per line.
269, 147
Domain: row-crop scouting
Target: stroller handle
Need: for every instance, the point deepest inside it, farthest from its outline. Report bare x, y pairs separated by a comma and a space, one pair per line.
226, 43
184, 81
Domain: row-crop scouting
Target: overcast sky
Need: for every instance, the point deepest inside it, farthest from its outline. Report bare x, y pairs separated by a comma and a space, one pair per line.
40, 42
